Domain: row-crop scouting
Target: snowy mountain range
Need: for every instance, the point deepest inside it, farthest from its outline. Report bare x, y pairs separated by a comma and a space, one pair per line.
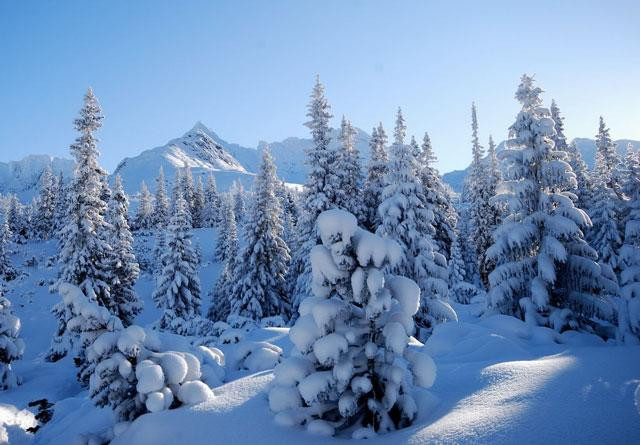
205, 152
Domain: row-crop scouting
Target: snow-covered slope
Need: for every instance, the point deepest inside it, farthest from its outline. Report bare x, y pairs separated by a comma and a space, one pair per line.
586, 146
22, 177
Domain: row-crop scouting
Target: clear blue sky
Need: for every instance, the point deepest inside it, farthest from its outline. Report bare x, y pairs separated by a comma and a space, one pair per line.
245, 68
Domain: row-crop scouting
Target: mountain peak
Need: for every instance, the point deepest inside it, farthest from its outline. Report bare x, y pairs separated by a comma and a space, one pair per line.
199, 127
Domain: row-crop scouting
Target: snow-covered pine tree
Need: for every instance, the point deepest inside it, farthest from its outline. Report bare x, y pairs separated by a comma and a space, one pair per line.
376, 171
480, 209
352, 368
197, 212
605, 236
221, 251
223, 289
7, 271
11, 345
239, 208
629, 306
178, 287
159, 248
584, 187
187, 188
144, 213
546, 273
559, 139
607, 160
161, 202
405, 220
45, 212
61, 205
319, 190
85, 253
211, 202
437, 198
124, 267
259, 289
16, 218
348, 169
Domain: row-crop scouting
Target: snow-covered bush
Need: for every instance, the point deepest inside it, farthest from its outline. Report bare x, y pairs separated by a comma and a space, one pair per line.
352, 363
11, 346
7, 271
133, 375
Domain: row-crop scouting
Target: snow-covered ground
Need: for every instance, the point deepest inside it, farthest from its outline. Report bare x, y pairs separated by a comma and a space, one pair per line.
498, 382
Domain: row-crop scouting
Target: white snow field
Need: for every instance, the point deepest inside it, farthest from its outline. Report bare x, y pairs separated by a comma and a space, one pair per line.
498, 381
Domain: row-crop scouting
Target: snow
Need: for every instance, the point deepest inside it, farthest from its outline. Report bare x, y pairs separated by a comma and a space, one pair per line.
498, 380
174, 366
192, 393
150, 377
320, 427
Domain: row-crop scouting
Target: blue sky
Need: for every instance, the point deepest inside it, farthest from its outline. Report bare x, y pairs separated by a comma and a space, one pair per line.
246, 68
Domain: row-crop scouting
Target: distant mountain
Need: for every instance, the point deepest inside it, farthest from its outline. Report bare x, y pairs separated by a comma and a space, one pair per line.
199, 148
22, 177
586, 146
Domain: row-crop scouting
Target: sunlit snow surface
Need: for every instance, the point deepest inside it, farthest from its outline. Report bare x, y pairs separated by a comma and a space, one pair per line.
497, 382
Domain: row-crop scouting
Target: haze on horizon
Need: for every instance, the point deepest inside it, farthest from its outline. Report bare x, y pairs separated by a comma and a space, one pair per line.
246, 72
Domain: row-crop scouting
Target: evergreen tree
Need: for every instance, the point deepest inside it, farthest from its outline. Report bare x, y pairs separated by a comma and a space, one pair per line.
60, 211
260, 274
211, 202
85, 253
353, 363
481, 212
559, 139
11, 345
607, 160
237, 193
45, 213
319, 190
161, 202
223, 289
178, 289
144, 214
188, 191
629, 310
583, 180
349, 172
16, 218
221, 249
198, 204
124, 266
437, 198
546, 273
405, 220
376, 171
159, 250
7, 271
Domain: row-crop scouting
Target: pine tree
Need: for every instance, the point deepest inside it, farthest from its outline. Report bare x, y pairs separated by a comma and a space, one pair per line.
16, 218
405, 220
198, 204
211, 202
237, 193
546, 273
187, 189
46, 203
7, 271
161, 202
481, 211
178, 289
85, 252
584, 184
559, 139
60, 211
11, 345
223, 289
124, 266
260, 274
437, 199
629, 311
159, 250
352, 360
376, 171
607, 159
221, 249
319, 190
349, 172
144, 214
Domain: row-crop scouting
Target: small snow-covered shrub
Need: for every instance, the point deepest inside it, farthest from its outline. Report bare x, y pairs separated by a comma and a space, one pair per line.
256, 356
352, 363
11, 346
133, 375
464, 292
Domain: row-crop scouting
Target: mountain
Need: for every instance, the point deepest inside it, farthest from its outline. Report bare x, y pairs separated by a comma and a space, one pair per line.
22, 177
206, 152
199, 148
587, 147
